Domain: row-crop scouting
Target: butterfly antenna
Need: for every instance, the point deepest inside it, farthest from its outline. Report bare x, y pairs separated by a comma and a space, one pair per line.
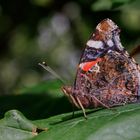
50, 70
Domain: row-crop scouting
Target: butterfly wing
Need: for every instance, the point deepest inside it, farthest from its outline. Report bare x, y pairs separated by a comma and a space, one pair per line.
106, 74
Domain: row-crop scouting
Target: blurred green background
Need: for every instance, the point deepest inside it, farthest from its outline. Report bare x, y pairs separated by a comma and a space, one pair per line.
32, 31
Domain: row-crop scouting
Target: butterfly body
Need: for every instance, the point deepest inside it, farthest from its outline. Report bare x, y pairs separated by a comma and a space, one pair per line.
106, 74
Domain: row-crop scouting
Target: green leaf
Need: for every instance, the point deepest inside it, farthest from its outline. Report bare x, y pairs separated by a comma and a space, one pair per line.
52, 88
14, 126
37, 102
121, 123
100, 5
42, 3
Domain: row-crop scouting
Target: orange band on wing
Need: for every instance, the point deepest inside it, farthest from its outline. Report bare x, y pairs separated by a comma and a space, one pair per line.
89, 65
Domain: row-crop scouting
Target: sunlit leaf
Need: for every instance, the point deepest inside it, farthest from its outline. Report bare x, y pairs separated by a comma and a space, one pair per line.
118, 123
122, 123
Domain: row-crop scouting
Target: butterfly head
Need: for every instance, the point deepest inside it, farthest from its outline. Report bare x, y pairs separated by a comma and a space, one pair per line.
106, 29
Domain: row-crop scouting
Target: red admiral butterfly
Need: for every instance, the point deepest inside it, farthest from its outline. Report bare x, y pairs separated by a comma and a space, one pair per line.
107, 76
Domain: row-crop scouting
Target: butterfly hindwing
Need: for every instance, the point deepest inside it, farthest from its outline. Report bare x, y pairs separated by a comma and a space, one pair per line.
106, 74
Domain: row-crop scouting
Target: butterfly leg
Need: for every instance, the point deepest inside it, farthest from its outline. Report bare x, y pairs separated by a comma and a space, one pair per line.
75, 100
67, 92
83, 109
98, 101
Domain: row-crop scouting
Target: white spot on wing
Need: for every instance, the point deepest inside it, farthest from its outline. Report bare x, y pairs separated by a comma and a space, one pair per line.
95, 68
81, 65
109, 51
95, 44
110, 43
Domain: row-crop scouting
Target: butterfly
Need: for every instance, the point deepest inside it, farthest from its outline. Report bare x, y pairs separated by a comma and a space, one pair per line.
107, 76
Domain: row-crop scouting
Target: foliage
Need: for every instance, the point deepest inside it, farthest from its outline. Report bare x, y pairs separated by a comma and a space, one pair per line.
37, 102
15, 126
56, 31
118, 123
